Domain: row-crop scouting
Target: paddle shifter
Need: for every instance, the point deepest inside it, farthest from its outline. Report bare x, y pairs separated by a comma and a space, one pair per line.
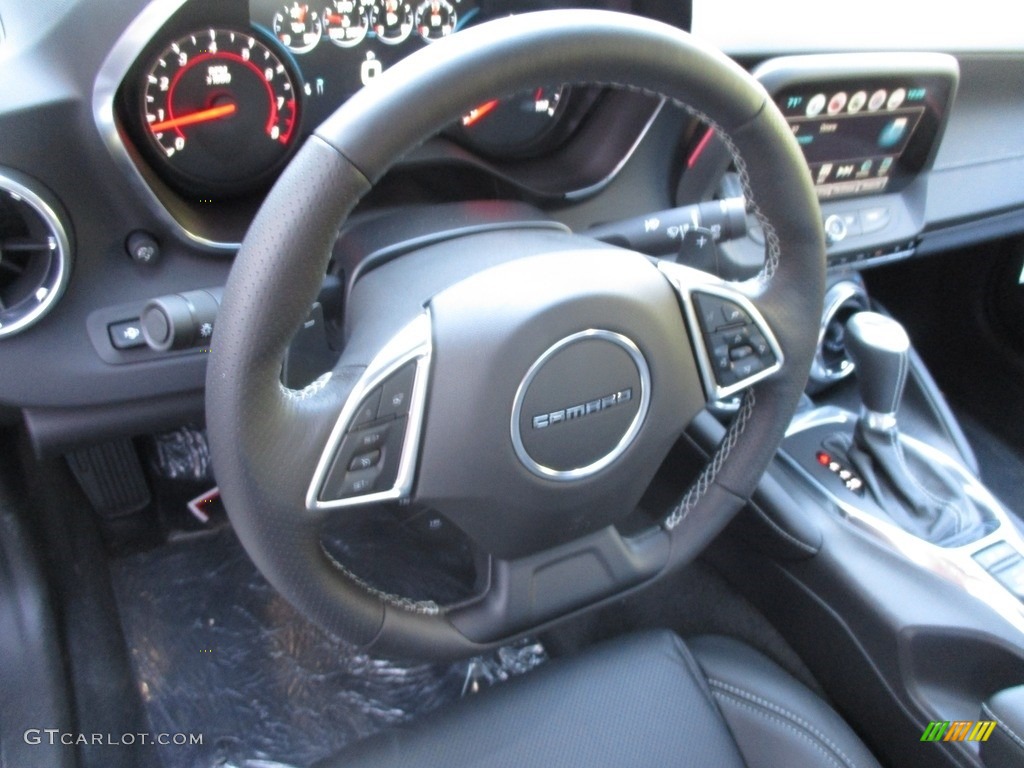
919, 496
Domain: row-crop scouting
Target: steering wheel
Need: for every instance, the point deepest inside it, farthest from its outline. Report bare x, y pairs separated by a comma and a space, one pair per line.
527, 384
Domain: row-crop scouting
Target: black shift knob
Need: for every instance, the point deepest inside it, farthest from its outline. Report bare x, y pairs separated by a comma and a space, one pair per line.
879, 348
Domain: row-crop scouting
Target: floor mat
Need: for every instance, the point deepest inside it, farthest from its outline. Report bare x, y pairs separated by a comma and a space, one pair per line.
219, 654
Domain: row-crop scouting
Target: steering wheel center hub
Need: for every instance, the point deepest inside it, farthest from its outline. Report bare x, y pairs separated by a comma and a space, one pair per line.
580, 405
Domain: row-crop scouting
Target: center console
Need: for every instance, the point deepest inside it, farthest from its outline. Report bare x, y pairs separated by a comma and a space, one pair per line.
892, 570
918, 499
907, 613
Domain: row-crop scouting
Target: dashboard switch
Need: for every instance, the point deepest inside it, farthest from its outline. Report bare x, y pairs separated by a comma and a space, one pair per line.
126, 335
874, 219
741, 352
143, 248
368, 439
181, 320
716, 313
397, 392
364, 461
852, 221
835, 229
367, 409
1011, 576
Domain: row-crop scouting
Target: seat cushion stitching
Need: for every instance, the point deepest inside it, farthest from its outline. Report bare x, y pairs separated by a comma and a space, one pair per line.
738, 701
739, 692
694, 668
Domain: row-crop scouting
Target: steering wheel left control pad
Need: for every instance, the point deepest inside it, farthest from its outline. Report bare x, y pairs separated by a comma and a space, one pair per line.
371, 454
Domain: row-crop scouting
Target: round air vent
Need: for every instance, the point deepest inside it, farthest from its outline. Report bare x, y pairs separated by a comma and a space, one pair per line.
831, 363
35, 253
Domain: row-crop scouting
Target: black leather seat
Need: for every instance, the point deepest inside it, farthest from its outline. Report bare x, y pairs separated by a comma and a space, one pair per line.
646, 700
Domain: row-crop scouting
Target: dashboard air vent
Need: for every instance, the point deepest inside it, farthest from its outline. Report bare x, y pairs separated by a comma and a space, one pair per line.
832, 363
34, 254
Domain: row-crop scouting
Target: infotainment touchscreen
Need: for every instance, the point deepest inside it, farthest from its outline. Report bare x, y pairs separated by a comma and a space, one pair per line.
865, 135
852, 141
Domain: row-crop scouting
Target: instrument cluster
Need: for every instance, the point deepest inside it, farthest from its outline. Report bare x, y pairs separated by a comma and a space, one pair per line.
347, 23
216, 104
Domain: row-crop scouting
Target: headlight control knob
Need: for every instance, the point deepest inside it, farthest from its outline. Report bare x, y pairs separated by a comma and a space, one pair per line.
181, 320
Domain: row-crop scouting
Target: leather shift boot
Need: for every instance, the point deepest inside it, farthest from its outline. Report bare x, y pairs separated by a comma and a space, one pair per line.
918, 495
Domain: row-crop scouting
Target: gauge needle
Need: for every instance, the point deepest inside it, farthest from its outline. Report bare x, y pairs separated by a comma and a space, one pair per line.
476, 114
202, 116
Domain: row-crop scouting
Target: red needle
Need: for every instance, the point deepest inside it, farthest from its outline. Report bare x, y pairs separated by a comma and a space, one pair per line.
202, 116
476, 114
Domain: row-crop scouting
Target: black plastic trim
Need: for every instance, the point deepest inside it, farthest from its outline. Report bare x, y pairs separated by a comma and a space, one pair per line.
57, 430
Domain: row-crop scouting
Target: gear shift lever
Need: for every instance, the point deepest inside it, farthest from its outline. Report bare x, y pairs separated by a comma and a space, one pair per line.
920, 497
879, 348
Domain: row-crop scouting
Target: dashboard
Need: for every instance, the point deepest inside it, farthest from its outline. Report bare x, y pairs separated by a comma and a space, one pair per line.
140, 138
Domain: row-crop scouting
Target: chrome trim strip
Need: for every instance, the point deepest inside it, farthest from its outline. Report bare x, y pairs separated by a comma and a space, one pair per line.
111, 73
954, 564
17, 185
627, 439
686, 281
411, 343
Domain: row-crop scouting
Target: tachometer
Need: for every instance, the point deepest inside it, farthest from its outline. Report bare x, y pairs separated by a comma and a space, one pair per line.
220, 108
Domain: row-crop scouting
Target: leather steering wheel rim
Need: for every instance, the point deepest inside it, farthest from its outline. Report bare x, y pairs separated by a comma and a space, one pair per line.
258, 428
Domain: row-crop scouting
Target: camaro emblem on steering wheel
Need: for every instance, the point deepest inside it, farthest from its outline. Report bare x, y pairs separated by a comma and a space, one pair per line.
545, 420
580, 405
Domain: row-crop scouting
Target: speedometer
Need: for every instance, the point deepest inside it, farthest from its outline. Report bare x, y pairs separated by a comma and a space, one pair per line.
220, 108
